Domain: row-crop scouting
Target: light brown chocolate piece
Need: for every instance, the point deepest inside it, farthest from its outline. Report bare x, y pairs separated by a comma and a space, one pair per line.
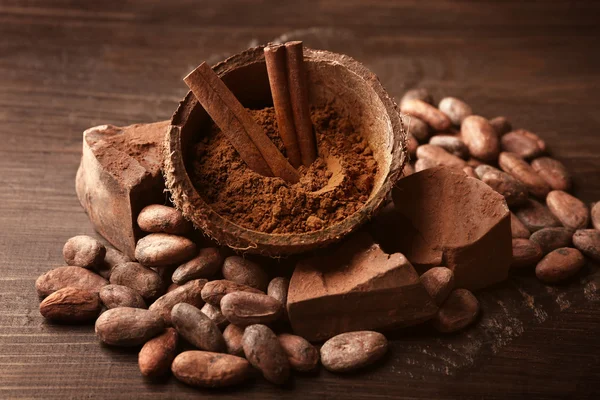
355, 286
446, 215
118, 176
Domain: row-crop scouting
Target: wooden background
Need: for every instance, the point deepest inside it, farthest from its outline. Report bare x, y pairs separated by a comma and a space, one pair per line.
68, 65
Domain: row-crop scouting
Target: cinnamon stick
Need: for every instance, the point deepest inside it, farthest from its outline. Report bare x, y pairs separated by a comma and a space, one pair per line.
275, 59
298, 89
249, 140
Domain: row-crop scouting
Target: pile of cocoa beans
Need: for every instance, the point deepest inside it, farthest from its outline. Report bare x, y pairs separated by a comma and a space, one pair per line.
550, 227
207, 318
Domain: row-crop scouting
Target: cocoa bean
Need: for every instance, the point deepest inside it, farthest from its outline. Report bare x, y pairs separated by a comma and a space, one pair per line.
559, 265
62, 277
126, 326
569, 210
518, 229
189, 293
162, 249
418, 94
456, 109
439, 282
71, 305
596, 215
536, 216
278, 289
215, 314
263, 351
114, 296
214, 291
458, 311
207, 369
206, 264
245, 272
243, 308
523, 143
156, 356
143, 280
415, 127
523, 172
112, 258
551, 239
525, 253
513, 191
233, 339
301, 355
439, 156
553, 172
424, 163
157, 218
480, 138
411, 146
353, 350
426, 112
452, 144
197, 328
588, 242
501, 125
83, 251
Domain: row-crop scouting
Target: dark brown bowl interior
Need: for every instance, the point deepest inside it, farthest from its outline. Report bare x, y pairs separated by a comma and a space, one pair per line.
333, 79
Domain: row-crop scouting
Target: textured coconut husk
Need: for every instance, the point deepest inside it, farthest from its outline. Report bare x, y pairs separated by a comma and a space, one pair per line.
332, 78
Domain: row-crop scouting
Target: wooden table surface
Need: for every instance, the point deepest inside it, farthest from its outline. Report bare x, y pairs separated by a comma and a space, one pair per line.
68, 65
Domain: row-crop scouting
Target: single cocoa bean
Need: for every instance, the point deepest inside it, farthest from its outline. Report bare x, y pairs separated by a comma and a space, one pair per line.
536, 216
71, 305
207, 369
162, 249
233, 339
452, 144
114, 296
411, 146
559, 265
206, 264
353, 350
523, 172
501, 125
553, 172
439, 282
197, 328
418, 94
456, 109
189, 293
301, 355
278, 289
426, 112
112, 258
588, 242
215, 314
62, 277
596, 215
551, 239
523, 143
439, 156
126, 326
263, 351
525, 253
458, 311
569, 210
416, 127
83, 251
214, 291
518, 229
157, 218
243, 308
243, 271
156, 356
425, 163
513, 191
480, 137
143, 280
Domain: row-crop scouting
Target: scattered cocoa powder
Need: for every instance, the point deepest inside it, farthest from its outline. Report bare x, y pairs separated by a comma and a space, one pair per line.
271, 205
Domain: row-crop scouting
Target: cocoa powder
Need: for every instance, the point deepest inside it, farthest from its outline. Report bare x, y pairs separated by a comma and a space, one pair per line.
271, 205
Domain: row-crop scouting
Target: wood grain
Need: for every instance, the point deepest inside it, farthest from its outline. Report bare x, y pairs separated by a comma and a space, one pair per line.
67, 65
